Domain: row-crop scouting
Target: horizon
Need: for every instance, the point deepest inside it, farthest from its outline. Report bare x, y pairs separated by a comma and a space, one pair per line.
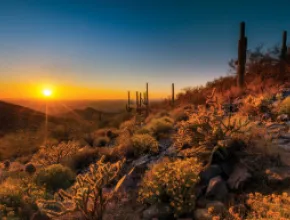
98, 50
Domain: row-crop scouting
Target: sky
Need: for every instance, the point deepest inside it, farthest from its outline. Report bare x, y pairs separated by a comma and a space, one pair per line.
100, 49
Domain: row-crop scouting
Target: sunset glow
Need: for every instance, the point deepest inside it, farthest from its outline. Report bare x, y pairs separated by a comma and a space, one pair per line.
47, 92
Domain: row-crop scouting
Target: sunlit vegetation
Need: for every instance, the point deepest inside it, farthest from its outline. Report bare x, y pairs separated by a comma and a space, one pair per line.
88, 161
172, 182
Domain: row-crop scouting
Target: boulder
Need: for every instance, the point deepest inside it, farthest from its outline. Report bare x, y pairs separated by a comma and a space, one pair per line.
39, 216
217, 189
209, 173
143, 160
159, 211
202, 214
266, 117
218, 207
283, 117
238, 177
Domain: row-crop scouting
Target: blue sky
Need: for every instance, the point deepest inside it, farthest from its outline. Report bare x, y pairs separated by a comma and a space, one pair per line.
124, 44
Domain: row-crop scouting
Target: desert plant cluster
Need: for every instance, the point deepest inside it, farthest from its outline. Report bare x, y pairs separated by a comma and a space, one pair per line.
213, 152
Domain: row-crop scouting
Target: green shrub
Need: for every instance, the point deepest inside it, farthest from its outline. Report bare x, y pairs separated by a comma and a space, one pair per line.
285, 106
172, 182
55, 177
18, 198
161, 126
179, 114
144, 143
82, 159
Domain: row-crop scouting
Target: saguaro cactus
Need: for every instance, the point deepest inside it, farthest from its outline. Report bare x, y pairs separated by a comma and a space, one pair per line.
242, 56
284, 46
137, 99
128, 105
146, 99
173, 95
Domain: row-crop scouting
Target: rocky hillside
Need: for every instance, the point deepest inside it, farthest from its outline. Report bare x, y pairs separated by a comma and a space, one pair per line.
196, 162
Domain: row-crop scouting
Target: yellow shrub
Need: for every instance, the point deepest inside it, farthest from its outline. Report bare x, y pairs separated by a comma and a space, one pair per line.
56, 153
269, 206
172, 182
161, 126
144, 143
285, 106
18, 198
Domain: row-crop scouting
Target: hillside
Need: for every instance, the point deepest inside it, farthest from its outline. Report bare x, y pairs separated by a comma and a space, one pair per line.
220, 152
15, 118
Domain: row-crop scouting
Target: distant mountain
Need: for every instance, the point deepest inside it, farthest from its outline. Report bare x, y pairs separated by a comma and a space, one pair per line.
88, 114
15, 117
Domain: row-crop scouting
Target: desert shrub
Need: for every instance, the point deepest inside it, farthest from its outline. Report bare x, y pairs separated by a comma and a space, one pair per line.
128, 125
143, 130
179, 114
56, 153
144, 143
161, 126
55, 177
87, 194
208, 126
30, 168
82, 159
124, 144
18, 198
285, 106
269, 206
172, 182
61, 132
19, 144
101, 141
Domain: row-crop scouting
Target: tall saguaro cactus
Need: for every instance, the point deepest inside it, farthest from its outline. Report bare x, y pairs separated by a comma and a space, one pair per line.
173, 95
284, 46
242, 56
147, 99
137, 99
128, 105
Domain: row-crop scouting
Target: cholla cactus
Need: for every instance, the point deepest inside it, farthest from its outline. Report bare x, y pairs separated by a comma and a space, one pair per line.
48, 155
87, 195
207, 126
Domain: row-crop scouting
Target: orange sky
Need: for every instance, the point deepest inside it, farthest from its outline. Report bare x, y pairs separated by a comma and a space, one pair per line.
66, 92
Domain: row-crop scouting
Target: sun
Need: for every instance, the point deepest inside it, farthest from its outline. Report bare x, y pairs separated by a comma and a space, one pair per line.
47, 92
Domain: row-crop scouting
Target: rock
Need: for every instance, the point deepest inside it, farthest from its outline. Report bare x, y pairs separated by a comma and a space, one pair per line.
276, 126
217, 189
218, 207
283, 117
143, 160
39, 216
202, 214
239, 176
164, 143
266, 117
285, 136
160, 211
209, 173
170, 151
202, 202
227, 168
278, 175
